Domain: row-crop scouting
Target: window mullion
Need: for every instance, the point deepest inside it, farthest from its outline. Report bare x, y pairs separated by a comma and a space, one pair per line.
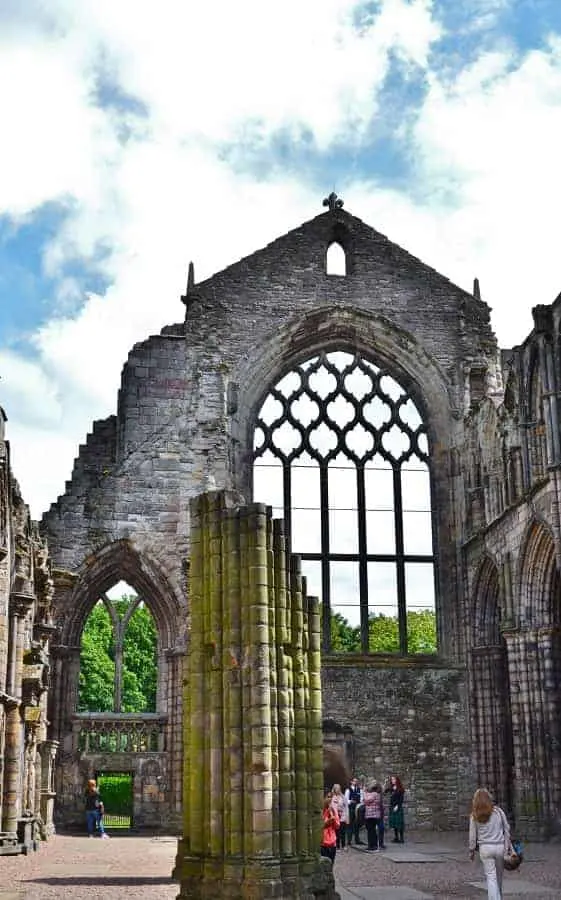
362, 559
400, 563
325, 579
287, 502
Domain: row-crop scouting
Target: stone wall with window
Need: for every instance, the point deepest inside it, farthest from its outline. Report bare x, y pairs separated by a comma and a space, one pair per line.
437, 447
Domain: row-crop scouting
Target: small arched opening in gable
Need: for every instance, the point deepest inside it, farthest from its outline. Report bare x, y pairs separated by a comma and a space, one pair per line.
336, 259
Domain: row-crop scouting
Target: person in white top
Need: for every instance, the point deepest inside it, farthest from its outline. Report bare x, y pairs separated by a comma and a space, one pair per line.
489, 831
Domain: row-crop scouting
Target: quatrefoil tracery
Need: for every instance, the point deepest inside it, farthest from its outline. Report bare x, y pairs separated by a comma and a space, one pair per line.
338, 403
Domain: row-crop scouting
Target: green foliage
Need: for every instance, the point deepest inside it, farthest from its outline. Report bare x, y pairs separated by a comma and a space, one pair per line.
344, 638
116, 792
383, 633
139, 662
97, 666
421, 631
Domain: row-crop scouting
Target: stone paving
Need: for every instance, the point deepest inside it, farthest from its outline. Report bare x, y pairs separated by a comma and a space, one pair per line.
427, 867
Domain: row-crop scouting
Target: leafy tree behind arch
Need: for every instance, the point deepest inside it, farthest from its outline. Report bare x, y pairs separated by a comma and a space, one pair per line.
97, 660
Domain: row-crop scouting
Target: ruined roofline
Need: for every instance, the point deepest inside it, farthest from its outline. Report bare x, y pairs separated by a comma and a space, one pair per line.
341, 216
95, 438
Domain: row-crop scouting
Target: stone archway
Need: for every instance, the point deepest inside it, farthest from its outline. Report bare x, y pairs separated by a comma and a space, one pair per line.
337, 754
534, 663
119, 741
491, 721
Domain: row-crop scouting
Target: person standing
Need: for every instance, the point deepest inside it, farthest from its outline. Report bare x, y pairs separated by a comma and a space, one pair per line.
489, 830
396, 818
341, 807
373, 814
330, 826
94, 810
353, 796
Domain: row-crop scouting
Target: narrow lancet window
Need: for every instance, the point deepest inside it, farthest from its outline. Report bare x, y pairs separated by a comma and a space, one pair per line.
336, 260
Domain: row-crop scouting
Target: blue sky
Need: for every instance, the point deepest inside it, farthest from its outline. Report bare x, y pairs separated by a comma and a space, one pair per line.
138, 136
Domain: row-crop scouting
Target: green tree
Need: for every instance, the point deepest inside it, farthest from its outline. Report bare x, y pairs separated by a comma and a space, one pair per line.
97, 662
344, 637
383, 633
421, 631
139, 660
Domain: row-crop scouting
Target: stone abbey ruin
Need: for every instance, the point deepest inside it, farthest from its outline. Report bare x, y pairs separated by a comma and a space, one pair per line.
416, 466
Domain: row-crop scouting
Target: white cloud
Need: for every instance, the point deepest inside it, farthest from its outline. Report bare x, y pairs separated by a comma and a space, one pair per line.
146, 193
26, 388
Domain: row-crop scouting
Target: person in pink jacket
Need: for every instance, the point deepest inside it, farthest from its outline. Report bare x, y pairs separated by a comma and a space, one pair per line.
374, 816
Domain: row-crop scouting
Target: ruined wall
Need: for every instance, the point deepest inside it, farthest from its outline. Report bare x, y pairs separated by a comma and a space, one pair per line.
411, 720
184, 423
26, 593
510, 481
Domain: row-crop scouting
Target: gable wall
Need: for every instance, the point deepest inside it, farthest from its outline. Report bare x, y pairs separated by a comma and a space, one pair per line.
183, 425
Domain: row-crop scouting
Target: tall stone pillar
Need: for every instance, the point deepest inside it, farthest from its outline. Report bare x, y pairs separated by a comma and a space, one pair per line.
534, 658
491, 722
252, 714
12, 771
48, 751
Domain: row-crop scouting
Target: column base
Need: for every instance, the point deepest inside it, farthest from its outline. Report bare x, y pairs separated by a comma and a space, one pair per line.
9, 844
254, 879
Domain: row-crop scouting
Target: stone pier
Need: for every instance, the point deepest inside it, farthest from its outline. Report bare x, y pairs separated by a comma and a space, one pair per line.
253, 772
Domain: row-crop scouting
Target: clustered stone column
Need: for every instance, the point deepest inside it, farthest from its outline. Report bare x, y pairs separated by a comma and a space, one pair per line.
534, 656
491, 724
253, 773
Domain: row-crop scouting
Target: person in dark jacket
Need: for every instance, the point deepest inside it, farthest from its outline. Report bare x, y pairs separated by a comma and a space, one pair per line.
395, 820
94, 810
354, 798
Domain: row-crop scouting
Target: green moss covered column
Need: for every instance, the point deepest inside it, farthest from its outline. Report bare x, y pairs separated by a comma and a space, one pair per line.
252, 707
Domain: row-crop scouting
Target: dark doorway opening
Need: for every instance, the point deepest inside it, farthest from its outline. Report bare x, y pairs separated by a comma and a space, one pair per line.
116, 793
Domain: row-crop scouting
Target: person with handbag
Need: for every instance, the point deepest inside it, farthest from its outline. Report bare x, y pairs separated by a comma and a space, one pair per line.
489, 832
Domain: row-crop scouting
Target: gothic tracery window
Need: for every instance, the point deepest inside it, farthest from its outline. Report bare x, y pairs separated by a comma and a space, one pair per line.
118, 655
341, 452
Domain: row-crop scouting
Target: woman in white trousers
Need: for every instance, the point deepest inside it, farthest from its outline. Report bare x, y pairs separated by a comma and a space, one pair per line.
489, 832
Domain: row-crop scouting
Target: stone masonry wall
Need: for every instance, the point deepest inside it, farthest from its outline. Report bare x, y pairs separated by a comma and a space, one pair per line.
184, 420
410, 720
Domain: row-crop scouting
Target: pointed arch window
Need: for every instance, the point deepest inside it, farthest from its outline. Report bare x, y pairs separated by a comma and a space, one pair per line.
118, 655
341, 452
537, 429
336, 259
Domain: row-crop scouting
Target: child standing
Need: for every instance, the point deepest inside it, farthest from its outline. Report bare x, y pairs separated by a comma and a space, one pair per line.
330, 826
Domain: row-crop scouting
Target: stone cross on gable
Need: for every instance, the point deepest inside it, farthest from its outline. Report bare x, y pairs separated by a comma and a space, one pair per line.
333, 202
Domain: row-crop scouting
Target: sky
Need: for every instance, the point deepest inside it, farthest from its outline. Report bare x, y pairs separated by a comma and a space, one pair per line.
137, 136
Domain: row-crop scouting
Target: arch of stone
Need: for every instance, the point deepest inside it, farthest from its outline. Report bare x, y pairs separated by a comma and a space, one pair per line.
483, 706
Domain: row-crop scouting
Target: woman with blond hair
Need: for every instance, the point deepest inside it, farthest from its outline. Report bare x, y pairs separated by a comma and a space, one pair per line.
490, 832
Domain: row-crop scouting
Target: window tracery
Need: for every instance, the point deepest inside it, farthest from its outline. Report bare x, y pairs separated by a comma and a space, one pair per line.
341, 452
118, 658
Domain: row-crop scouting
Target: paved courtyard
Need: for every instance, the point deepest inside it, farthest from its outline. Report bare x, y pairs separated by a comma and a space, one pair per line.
427, 867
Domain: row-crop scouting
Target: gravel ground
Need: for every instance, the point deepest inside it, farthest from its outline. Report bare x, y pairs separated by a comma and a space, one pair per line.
74, 868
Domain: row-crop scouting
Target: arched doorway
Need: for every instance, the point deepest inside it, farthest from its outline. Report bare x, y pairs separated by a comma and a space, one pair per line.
490, 693
118, 672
